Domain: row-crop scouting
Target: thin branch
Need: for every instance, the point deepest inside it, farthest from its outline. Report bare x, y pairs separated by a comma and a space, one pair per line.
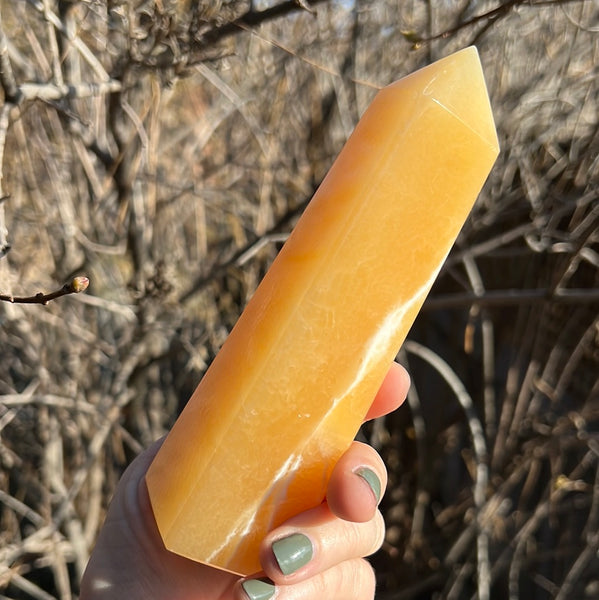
480, 451
75, 286
500, 298
240, 254
551, 497
55, 54
273, 238
7, 77
422, 494
574, 358
232, 96
195, 53
252, 18
77, 43
320, 66
22, 509
4, 122
11, 95
585, 558
488, 337
488, 17
50, 91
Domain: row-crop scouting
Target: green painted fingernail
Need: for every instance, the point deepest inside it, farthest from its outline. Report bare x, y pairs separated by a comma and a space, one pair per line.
370, 477
292, 552
258, 590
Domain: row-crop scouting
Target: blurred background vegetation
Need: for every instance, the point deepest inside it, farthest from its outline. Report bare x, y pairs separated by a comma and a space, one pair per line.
165, 148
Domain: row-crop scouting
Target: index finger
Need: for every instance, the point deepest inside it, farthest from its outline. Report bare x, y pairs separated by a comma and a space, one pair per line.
392, 392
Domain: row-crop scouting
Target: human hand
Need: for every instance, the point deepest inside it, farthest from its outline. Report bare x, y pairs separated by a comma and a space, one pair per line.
316, 554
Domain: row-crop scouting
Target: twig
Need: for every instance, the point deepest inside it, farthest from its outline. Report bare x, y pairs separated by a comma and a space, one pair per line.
592, 524
422, 494
304, 4
4, 122
551, 496
76, 285
489, 17
544, 383
488, 344
480, 451
7, 77
11, 93
231, 95
83, 49
53, 42
9, 400
576, 571
30, 588
50, 91
574, 358
123, 310
273, 238
321, 67
216, 270
251, 18
21, 509
512, 298
496, 242
511, 421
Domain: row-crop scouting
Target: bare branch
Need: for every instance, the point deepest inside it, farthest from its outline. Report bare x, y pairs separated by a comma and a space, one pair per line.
488, 18
4, 121
55, 54
480, 450
254, 18
494, 298
83, 49
75, 286
51, 91
7, 77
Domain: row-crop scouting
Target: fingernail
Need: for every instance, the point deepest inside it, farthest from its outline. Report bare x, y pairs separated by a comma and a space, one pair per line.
256, 589
370, 477
292, 552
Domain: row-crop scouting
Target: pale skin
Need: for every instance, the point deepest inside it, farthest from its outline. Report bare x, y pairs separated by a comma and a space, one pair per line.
130, 562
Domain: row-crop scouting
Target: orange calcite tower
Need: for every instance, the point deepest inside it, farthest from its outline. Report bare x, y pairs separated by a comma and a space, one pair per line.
289, 389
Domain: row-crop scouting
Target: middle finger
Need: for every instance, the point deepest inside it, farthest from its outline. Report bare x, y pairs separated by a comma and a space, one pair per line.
315, 541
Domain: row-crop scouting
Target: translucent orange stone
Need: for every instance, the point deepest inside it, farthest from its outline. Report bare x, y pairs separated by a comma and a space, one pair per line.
288, 391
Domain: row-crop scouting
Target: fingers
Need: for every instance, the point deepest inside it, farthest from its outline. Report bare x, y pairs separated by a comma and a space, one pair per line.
317, 555
315, 541
392, 392
359, 478
350, 580
357, 484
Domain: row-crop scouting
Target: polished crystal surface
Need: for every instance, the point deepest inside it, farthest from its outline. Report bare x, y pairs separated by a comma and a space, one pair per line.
289, 389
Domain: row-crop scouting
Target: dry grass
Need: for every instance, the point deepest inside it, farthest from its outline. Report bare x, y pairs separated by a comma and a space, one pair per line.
170, 171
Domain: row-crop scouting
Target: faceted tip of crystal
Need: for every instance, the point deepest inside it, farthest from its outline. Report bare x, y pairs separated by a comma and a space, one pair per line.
467, 98
476, 111
457, 83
